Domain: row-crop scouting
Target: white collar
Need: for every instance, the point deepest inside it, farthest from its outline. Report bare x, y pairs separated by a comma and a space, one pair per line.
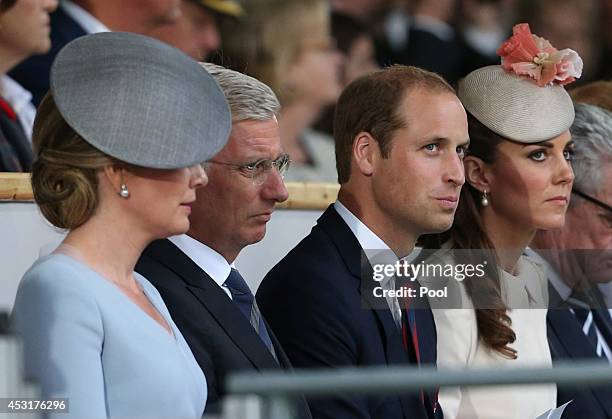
209, 260
558, 284
20, 100
14, 93
368, 240
366, 237
85, 19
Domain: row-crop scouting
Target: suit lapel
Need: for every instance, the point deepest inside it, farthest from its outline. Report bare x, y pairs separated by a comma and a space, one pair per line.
569, 335
350, 250
215, 301
359, 267
565, 326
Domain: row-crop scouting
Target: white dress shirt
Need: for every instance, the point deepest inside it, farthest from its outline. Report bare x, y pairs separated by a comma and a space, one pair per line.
20, 100
85, 19
209, 260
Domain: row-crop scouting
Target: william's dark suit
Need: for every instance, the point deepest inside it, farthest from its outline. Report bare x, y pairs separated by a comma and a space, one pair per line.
313, 301
568, 342
33, 73
219, 335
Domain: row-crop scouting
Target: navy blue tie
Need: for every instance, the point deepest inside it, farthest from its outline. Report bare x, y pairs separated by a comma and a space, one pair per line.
245, 300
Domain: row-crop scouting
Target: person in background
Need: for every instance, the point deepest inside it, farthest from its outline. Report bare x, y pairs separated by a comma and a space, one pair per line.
357, 47
365, 11
605, 70
420, 33
483, 25
75, 18
573, 23
598, 93
519, 180
287, 45
24, 32
194, 272
356, 44
400, 136
116, 171
579, 262
196, 31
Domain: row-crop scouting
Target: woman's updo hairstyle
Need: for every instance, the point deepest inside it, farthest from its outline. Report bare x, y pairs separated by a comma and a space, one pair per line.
64, 173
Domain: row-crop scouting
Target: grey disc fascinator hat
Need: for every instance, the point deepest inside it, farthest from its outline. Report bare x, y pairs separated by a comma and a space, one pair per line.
523, 99
139, 100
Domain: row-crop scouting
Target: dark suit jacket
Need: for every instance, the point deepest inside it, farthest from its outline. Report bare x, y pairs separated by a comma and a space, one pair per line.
15, 150
568, 342
313, 301
33, 73
220, 337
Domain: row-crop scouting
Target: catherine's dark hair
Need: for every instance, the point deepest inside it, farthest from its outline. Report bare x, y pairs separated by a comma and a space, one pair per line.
469, 235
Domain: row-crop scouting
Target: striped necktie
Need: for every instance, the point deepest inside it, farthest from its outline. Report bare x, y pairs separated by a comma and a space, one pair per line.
587, 318
245, 300
410, 338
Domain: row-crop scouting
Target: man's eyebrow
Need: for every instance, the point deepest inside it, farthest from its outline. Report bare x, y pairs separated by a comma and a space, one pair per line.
442, 140
255, 159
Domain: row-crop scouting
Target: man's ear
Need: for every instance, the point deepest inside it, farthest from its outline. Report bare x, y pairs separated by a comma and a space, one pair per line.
477, 173
365, 148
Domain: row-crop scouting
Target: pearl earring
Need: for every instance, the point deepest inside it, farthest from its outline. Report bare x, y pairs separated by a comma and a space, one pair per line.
124, 193
484, 201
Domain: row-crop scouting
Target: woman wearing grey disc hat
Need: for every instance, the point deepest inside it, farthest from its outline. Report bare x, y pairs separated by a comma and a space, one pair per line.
118, 142
518, 180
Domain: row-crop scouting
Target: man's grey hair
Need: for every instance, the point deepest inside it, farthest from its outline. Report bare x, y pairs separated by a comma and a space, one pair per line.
592, 135
248, 98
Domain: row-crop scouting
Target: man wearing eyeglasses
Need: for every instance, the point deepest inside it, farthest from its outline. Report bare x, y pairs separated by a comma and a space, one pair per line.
579, 262
207, 297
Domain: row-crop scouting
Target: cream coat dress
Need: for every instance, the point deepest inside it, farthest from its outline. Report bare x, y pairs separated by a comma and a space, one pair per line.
459, 346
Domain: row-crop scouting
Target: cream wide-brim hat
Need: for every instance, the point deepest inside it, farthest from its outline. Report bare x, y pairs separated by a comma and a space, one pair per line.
515, 107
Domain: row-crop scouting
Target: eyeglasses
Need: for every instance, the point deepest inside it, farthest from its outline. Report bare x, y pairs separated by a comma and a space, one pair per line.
259, 170
595, 201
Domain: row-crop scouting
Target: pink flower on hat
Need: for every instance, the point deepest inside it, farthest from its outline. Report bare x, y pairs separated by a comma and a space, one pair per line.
529, 55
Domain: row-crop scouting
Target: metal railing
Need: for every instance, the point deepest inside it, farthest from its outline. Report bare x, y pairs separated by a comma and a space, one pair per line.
12, 383
269, 395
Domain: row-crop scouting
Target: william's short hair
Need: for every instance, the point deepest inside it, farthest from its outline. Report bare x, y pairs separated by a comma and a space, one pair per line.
371, 104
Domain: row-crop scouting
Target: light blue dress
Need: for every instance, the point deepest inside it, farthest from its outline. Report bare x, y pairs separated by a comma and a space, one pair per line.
87, 341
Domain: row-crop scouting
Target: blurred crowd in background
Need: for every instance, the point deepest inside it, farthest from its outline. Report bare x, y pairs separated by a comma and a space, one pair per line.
306, 50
